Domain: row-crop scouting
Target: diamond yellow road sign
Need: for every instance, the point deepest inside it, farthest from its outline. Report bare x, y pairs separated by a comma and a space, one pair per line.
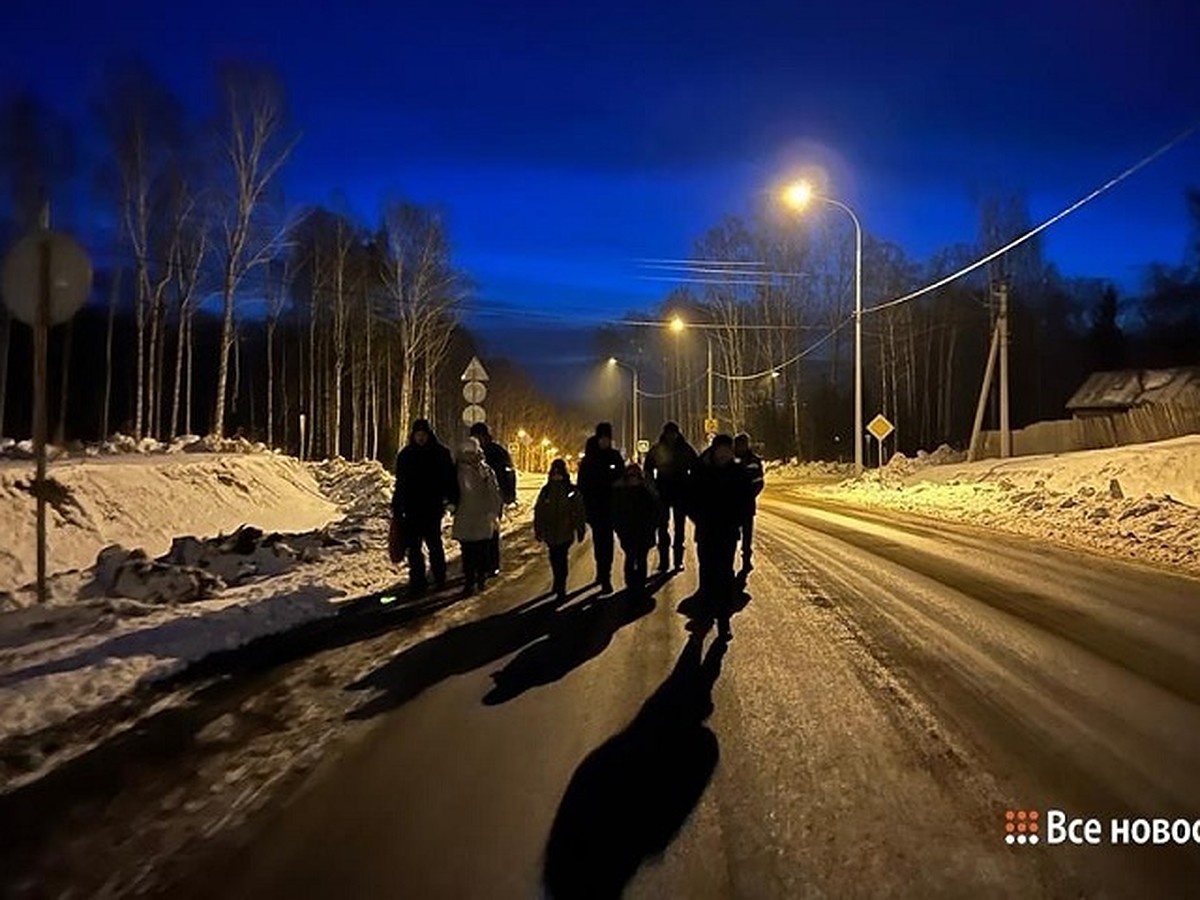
880, 427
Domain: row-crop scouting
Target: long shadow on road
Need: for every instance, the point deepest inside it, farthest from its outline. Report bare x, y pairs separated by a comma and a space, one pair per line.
575, 635
629, 797
457, 651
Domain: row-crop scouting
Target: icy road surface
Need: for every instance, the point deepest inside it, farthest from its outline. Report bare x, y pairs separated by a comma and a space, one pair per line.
892, 688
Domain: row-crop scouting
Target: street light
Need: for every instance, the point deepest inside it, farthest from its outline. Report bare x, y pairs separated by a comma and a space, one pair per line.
614, 362
798, 195
677, 325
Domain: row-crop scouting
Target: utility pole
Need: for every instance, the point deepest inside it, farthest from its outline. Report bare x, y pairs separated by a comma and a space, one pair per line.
709, 416
1002, 331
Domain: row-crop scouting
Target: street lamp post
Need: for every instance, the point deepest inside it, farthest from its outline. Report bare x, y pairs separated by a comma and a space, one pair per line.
613, 361
798, 195
677, 325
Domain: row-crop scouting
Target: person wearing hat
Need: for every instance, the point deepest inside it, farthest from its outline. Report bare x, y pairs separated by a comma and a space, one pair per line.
425, 484
669, 467
636, 510
477, 513
721, 497
750, 461
599, 470
501, 463
559, 518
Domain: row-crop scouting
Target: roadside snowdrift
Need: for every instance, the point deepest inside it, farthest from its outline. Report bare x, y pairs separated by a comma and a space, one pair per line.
146, 502
135, 619
1140, 502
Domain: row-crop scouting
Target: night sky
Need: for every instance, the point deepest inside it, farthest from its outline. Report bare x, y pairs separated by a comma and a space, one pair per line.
567, 140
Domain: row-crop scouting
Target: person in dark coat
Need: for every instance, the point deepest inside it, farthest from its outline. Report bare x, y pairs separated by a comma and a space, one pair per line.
425, 483
720, 500
500, 461
669, 467
599, 470
635, 514
558, 519
748, 460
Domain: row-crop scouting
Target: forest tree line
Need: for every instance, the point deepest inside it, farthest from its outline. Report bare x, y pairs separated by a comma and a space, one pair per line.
217, 309
775, 295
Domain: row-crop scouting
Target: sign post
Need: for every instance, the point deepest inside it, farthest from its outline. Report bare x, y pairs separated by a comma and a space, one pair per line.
880, 428
474, 392
46, 279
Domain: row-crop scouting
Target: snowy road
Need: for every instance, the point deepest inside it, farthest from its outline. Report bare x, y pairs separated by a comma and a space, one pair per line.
893, 687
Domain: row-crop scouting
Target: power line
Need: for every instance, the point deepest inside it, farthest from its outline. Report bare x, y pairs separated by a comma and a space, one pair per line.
1108, 185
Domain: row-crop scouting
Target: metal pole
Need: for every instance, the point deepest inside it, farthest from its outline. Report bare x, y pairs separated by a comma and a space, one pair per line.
708, 340
858, 395
636, 423
40, 329
1002, 325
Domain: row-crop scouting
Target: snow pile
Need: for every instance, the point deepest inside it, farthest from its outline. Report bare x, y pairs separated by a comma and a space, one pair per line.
146, 502
125, 445
815, 470
362, 488
84, 651
1140, 502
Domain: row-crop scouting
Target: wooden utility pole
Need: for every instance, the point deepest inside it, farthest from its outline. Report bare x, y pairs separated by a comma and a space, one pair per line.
1002, 331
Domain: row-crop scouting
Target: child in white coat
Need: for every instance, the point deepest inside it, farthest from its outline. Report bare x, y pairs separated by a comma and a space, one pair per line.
477, 514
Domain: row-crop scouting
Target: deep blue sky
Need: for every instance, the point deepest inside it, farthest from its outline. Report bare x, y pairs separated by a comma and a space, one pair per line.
567, 139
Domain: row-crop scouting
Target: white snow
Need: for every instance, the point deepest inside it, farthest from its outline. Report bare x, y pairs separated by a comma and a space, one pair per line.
1139, 502
81, 651
145, 501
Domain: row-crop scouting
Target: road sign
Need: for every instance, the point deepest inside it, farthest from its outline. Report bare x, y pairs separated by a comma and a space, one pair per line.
474, 391
880, 428
473, 415
70, 277
711, 426
474, 371
643, 446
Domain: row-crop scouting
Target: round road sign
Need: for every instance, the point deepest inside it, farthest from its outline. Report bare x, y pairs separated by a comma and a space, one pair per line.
474, 391
473, 414
70, 277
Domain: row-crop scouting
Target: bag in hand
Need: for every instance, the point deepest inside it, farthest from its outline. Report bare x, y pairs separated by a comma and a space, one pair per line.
397, 545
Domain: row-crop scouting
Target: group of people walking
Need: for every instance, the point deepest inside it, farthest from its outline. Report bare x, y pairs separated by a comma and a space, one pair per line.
642, 508
648, 507
475, 485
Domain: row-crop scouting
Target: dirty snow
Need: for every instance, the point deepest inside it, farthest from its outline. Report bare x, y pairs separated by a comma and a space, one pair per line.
86, 649
1139, 502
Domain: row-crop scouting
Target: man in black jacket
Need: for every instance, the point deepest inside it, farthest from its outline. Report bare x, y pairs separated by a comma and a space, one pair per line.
748, 460
720, 499
669, 467
599, 471
498, 458
426, 482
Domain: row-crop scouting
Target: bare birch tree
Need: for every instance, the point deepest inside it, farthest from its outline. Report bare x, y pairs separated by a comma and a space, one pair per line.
254, 154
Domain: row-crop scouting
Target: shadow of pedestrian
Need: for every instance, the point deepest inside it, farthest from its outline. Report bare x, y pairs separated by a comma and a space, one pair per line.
457, 651
576, 635
629, 798
700, 612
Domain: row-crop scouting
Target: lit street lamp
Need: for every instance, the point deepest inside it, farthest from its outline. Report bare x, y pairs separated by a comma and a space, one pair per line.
677, 325
614, 362
798, 195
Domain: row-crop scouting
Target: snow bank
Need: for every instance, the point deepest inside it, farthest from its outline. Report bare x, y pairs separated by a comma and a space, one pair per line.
62, 662
145, 502
1140, 502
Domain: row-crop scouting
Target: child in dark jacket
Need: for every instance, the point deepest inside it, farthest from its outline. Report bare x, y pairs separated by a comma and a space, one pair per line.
635, 511
558, 518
